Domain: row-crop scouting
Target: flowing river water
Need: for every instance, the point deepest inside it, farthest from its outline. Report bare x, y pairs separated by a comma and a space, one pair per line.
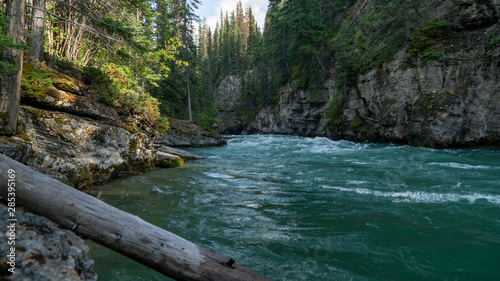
295, 208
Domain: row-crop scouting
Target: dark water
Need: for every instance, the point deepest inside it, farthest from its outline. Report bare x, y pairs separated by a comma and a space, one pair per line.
295, 208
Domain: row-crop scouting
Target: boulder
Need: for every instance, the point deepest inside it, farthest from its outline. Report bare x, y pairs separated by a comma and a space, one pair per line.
476, 14
43, 251
167, 160
78, 151
183, 133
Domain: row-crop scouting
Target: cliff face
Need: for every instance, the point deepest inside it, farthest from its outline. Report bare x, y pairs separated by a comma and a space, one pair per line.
456, 104
451, 102
294, 113
183, 133
229, 105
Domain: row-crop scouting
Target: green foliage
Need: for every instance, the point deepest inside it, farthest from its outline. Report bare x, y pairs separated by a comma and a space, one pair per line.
8, 42
429, 40
118, 87
334, 113
356, 122
35, 81
494, 39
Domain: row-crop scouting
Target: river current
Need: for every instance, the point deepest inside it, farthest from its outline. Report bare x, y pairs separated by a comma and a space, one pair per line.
293, 208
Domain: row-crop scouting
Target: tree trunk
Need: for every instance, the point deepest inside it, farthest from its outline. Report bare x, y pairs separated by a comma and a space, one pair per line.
286, 60
325, 71
189, 96
37, 38
10, 82
122, 232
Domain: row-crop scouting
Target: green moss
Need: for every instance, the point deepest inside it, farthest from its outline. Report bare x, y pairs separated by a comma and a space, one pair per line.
178, 162
65, 181
60, 121
82, 172
21, 147
128, 128
133, 145
35, 81
33, 112
186, 132
356, 122
366, 128
25, 138
92, 166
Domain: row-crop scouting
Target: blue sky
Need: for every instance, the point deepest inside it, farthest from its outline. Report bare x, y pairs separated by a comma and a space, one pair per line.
210, 9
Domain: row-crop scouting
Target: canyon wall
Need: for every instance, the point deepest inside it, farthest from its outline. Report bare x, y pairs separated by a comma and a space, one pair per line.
449, 102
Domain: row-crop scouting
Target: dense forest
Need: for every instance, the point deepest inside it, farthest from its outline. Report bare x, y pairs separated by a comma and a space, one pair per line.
130, 51
147, 57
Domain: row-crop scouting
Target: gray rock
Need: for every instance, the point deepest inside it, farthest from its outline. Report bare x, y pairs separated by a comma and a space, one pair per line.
186, 134
230, 106
296, 113
477, 14
44, 252
78, 151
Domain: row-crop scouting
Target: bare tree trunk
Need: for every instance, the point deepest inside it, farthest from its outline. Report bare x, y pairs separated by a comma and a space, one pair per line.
120, 231
10, 82
319, 60
37, 38
286, 60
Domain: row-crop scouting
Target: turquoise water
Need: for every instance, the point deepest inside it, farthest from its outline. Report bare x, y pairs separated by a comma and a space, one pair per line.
296, 208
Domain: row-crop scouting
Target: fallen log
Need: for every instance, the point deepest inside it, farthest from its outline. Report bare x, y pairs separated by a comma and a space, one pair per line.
181, 153
120, 231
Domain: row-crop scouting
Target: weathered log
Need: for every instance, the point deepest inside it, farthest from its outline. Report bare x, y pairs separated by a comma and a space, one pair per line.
120, 231
181, 153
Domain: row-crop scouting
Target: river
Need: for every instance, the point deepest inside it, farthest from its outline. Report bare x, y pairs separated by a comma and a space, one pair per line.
294, 208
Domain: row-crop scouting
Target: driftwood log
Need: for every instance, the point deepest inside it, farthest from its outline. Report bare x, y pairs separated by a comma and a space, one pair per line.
120, 231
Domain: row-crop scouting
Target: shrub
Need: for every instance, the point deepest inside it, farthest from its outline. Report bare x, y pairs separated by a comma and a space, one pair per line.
429, 40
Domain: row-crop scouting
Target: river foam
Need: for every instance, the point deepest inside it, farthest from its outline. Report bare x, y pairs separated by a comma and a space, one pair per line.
421, 196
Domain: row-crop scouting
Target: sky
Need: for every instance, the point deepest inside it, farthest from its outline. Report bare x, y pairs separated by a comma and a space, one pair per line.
210, 9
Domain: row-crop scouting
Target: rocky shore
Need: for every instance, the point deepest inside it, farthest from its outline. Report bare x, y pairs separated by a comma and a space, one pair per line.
66, 133
43, 251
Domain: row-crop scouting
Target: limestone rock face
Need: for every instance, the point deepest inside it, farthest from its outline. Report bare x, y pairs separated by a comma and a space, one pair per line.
78, 151
183, 133
477, 13
229, 105
295, 113
44, 252
431, 105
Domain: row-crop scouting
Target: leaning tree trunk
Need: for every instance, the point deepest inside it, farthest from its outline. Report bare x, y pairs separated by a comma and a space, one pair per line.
10, 82
37, 38
122, 232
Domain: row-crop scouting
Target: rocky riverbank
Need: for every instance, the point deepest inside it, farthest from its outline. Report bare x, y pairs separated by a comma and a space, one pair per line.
68, 134
43, 251
65, 132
